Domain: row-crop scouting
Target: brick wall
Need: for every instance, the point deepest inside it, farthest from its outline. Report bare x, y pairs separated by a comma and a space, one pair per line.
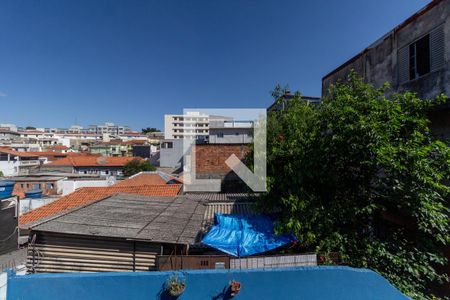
47, 187
210, 158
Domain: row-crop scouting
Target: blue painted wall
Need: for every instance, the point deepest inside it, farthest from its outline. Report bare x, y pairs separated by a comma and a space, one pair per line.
294, 283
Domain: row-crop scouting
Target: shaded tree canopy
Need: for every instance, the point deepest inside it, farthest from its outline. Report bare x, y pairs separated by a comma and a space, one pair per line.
137, 165
150, 130
360, 174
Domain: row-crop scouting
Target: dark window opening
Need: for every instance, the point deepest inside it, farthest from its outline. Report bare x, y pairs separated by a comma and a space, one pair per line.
419, 58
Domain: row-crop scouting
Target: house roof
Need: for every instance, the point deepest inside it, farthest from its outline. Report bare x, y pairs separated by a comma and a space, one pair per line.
174, 220
149, 178
223, 197
49, 154
7, 130
17, 153
143, 178
227, 208
32, 132
88, 195
92, 161
58, 147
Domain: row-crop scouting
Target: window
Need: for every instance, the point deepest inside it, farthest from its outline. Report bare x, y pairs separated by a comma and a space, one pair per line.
167, 145
419, 58
220, 134
423, 56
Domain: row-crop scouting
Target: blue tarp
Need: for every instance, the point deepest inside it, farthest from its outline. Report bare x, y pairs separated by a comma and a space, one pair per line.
242, 235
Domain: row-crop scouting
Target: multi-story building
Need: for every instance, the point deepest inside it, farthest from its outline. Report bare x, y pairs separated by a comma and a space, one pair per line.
11, 127
193, 125
171, 153
414, 56
8, 135
108, 128
89, 164
230, 132
14, 163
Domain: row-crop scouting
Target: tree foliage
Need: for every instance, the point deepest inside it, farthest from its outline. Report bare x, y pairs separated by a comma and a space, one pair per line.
150, 130
279, 91
361, 174
137, 165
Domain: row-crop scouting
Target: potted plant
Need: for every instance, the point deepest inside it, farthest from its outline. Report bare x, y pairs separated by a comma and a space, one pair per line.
175, 285
235, 287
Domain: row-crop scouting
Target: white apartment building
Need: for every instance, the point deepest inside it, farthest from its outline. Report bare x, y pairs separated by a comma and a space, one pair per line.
108, 128
192, 125
14, 163
11, 127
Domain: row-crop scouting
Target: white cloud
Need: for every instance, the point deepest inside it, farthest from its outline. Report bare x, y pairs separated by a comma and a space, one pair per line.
3, 94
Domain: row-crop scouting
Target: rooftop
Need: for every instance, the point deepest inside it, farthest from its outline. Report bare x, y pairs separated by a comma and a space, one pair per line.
89, 161
88, 195
8, 150
145, 178
133, 217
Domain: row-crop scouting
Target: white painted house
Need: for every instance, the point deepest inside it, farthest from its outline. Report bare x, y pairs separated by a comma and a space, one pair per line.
15, 163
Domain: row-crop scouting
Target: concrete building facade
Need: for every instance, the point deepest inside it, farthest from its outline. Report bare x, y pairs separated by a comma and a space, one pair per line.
171, 153
414, 56
230, 132
14, 163
192, 125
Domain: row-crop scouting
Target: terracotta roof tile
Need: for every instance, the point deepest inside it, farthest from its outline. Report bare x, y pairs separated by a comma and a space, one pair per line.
88, 161
87, 195
142, 179
17, 153
58, 147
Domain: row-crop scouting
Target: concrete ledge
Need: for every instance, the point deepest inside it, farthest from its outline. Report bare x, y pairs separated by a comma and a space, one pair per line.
290, 283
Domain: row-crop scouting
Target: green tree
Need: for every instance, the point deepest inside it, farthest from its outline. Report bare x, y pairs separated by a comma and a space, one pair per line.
137, 165
279, 91
150, 130
1, 174
360, 174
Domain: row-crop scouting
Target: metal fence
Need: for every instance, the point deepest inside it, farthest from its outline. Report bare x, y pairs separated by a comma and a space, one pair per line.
191, 262
268, 262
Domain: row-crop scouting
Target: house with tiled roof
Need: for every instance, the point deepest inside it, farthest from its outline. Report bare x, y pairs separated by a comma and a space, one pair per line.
14, 163
58, 148
90, 164
84, 196
149, 178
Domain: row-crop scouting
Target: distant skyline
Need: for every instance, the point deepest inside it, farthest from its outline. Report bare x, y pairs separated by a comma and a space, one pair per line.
131, 62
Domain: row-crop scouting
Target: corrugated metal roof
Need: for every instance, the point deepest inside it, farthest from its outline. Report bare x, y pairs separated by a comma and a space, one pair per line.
227, 208
160, 219
213, 197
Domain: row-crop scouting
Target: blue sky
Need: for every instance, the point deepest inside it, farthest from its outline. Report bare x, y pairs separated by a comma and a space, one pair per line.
130, 62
